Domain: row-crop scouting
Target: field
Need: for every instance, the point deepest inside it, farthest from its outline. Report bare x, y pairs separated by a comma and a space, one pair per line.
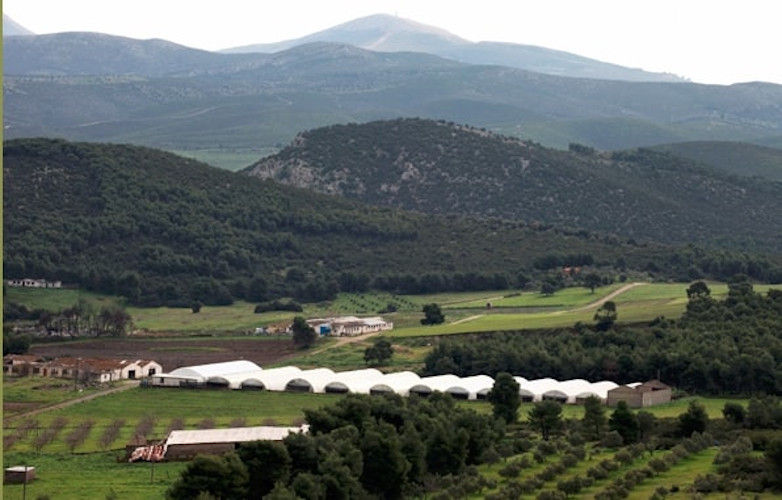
228, 159
91, 468
22, 394
174, 352
465, 311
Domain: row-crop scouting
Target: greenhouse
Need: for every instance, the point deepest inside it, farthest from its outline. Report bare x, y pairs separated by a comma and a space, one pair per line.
249, 376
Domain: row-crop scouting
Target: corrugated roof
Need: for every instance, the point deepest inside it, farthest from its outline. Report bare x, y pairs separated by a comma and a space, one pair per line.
231, 435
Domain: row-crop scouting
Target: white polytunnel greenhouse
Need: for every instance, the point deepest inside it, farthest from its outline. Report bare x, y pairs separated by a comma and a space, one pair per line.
274, 379
399, 383
428, 385
248, 375
355, 381
475, 387
310, 380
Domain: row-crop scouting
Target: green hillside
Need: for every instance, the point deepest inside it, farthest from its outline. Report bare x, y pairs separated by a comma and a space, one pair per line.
440, 168
158, 228
737, 158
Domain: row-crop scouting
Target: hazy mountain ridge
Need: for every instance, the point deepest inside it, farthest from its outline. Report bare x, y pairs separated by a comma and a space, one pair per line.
441, 168
266, 100
382, 32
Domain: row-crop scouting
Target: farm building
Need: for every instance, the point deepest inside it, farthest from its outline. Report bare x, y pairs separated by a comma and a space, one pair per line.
34, 283
349, 326
92, 369
649, 393
183, 445
247, 375
18, 474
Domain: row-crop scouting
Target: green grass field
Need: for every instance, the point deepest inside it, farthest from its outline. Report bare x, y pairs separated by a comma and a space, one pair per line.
641, 303
228, 159
569, 297
91, 475
27, 393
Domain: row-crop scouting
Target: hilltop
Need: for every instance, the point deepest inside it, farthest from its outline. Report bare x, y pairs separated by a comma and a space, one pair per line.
158, 228
443, 168
386, 33
739, 158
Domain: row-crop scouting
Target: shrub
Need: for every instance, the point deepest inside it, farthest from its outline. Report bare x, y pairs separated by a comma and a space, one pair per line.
145, 426
611, 440
569, 460
623, 457
706, 484
207, 423
511, 470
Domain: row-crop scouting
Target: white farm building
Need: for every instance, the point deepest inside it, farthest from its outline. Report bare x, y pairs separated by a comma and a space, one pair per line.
246, 375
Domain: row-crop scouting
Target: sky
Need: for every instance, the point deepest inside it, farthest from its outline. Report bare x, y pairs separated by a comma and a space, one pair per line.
707, 41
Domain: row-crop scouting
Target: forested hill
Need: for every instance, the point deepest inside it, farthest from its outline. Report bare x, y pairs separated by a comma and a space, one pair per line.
439, 168
159, 228
738, 158
162, 229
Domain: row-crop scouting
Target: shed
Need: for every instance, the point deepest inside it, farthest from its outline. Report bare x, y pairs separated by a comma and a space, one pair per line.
19, 474
274, 379
475, 387
428, 385
310, 380
354, 381
204, 372
186, 444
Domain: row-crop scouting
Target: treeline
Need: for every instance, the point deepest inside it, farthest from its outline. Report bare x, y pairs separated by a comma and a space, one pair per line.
82, 318
729, 346
360, 447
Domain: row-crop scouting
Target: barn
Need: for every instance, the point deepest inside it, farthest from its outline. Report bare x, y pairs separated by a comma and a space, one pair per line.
650, 393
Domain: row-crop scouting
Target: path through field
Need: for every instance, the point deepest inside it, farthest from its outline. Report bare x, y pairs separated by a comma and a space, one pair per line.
465, 320
124, 386
604, 299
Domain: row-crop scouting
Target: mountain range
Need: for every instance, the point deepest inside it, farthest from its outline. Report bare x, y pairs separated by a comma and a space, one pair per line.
255, 101
386, 33
444, 168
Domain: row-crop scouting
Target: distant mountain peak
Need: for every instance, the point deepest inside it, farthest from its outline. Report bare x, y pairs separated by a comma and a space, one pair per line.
12, 28
387, 33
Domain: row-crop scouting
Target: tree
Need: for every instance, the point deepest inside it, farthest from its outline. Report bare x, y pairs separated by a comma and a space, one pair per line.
592, 281
698, 290
303, 334
594, 417
734, 413
646, 423
694, 419
385, 466
774, 460
267, 462
624, 422
546, 417
380, 352
195, 306
15, 344
547, 288
257, 290
433, 315
504, 397
220, 477
606, 316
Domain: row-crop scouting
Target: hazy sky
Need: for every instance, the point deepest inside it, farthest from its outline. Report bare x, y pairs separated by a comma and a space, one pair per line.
707, 41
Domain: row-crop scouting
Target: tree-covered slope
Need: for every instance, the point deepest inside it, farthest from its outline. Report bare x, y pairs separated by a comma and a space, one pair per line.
436, 167
160, 228
739, 158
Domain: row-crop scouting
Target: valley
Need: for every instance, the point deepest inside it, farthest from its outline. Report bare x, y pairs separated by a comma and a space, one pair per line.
375, 259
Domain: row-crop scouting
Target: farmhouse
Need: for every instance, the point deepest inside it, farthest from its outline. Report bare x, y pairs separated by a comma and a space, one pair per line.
34, 283
245, 375
349, 325
91, 369
649, 393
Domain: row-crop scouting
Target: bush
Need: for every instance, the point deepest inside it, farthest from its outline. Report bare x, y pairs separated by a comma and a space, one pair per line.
611, 440
706, 484
278, 305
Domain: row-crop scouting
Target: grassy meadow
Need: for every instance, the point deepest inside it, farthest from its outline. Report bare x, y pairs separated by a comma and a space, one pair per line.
465, 311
